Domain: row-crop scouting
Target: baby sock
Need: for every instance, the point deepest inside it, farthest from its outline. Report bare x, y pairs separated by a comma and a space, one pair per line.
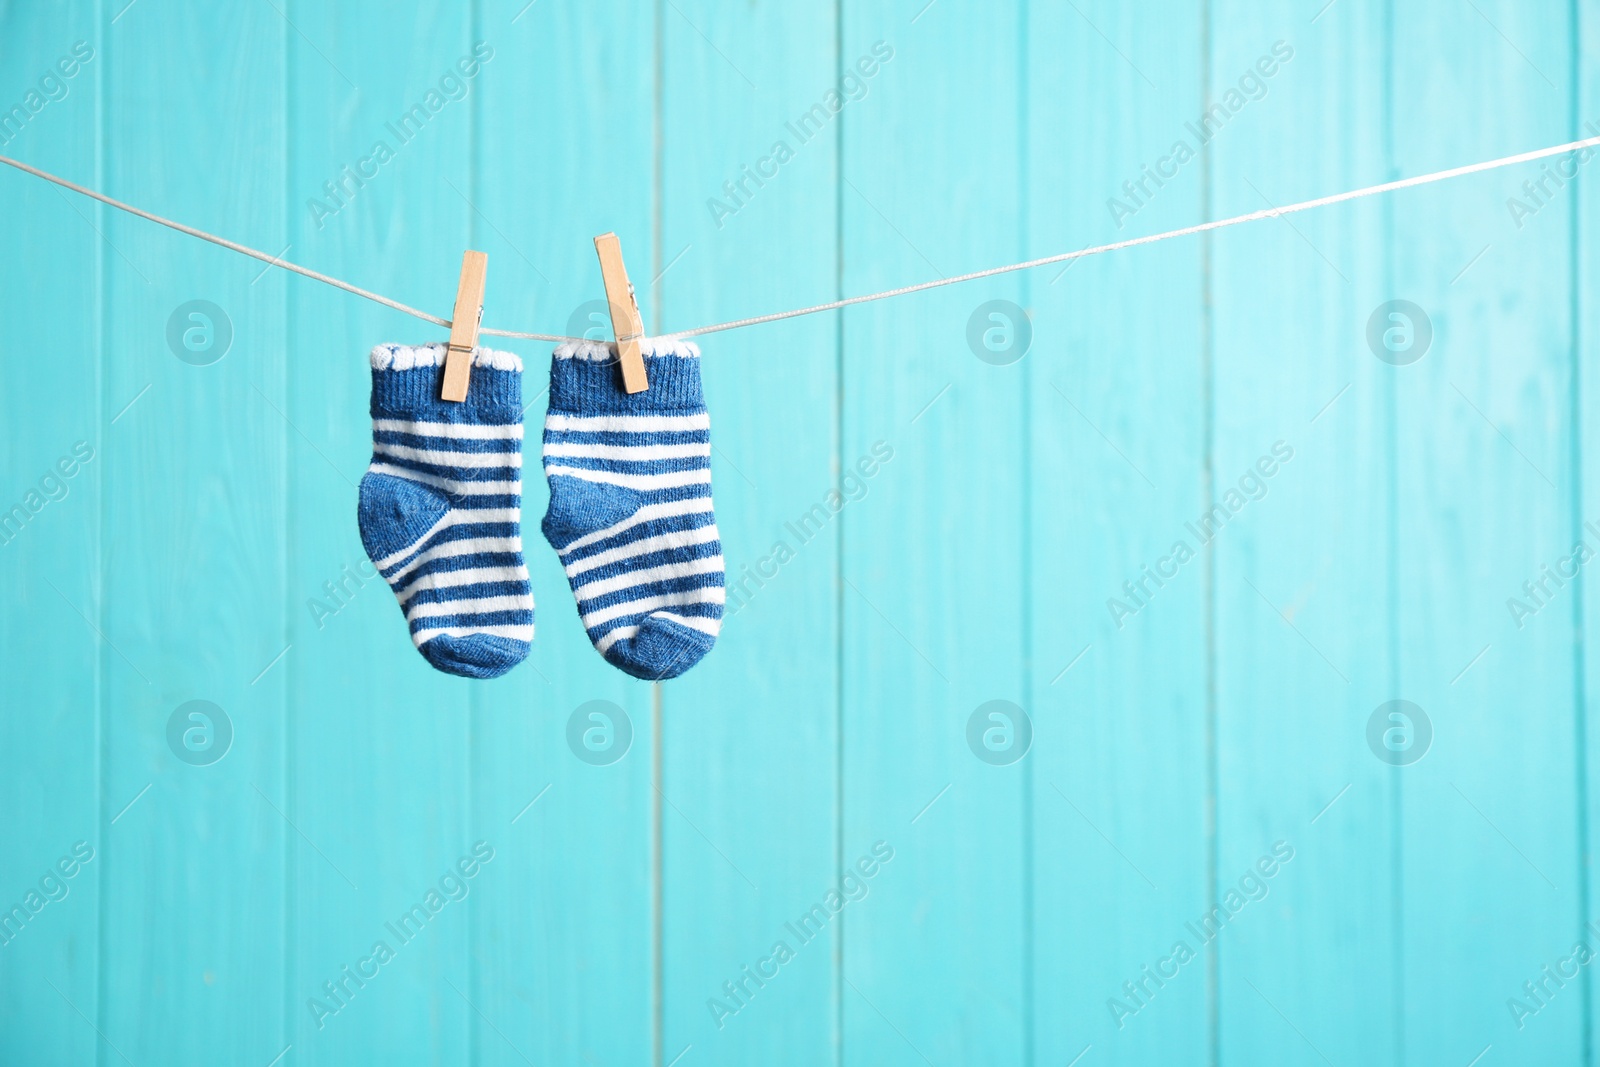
441, 507
630, 505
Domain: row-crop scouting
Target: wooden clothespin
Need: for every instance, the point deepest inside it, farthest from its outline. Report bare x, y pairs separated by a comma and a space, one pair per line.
464, 324
626, 321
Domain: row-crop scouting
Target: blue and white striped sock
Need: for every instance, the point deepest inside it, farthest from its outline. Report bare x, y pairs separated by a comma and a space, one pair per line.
630, 506
441, 507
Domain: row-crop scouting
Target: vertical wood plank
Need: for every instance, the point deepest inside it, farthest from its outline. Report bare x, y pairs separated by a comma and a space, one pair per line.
194, 554
50, 549
377, 784
1490, 889
932, 561
1303, 442
749, 778
1116, 387
562, 939
1586, 445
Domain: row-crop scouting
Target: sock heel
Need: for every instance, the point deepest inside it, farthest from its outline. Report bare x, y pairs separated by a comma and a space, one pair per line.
395, 514
579, 508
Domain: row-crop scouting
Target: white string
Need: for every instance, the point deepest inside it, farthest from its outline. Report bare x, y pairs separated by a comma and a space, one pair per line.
1204, 227
274, 261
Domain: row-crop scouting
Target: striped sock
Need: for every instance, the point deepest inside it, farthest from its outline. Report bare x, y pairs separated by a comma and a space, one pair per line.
441, 507
630, 506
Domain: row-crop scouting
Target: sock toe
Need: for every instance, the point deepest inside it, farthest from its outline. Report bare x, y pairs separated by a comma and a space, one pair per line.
662, 649
476, 656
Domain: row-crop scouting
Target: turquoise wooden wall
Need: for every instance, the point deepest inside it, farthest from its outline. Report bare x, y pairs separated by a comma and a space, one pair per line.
1207, 706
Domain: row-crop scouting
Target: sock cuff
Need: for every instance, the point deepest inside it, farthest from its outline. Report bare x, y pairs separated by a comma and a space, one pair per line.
406, 381
601, 351
584, 378
406, 357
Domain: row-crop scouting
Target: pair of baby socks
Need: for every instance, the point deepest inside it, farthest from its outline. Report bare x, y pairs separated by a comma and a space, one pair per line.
630, 506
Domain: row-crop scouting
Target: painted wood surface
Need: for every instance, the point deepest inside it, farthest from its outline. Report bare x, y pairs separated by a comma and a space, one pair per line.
1304, 647
1122, 783
1051, 722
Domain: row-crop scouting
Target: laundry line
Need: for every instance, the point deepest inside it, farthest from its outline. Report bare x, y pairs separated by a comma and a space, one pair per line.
834, 305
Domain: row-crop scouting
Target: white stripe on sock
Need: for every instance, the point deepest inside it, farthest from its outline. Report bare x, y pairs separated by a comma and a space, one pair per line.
643, 547
628, 453
648, 576
471, 606
469, 546
467, 576
622, 633
468, 516
694, 506
441, 458
670, 480
693, 622
461, 431
711, 594
395, 557
517, 632
449, 485
627, 423
453, 517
